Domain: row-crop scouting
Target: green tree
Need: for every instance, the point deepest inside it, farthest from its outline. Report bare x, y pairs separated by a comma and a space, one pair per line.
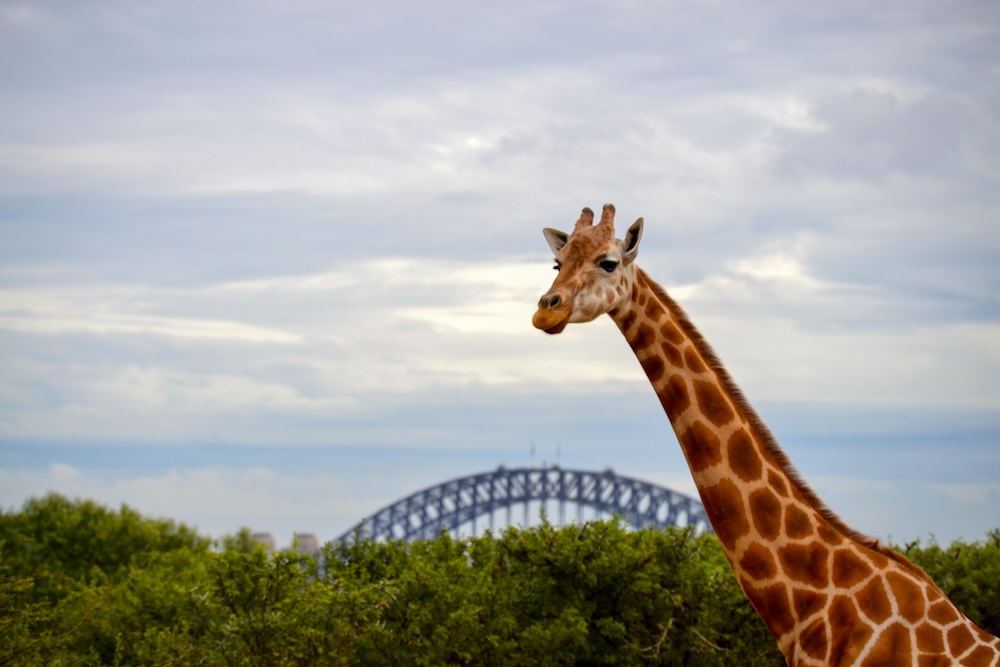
64, 543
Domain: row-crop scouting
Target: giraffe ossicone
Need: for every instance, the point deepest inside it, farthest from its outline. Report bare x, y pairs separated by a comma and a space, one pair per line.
828, 594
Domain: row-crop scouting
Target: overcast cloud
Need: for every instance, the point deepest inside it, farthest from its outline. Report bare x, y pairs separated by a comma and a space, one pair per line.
274, 263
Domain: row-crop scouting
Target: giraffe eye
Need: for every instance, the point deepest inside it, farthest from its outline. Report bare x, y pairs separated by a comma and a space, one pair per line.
608, 265
557, 267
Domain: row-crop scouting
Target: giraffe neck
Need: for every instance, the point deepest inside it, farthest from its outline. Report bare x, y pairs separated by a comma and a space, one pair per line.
725, 443
823, 589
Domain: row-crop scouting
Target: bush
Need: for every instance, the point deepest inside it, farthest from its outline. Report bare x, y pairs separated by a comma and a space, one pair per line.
133, 591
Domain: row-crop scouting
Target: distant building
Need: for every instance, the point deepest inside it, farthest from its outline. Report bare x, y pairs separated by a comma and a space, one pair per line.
264, 538
305, 543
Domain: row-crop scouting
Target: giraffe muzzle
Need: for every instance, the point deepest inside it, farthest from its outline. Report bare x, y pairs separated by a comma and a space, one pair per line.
553, 313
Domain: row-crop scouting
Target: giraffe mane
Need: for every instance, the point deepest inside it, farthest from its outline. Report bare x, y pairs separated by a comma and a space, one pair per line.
763, 434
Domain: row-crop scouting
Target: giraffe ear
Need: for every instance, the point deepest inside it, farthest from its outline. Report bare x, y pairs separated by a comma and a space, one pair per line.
556, 239
630, 244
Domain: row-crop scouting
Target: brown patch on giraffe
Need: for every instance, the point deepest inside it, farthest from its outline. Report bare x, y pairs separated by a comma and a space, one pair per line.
880, 561
713, 403
674, 397
654, 368
654, 310
771, 603
701, 447
778, 484
874, 601
672, 354
635, 292
643, 338
807, 602
743, 457
693, 361
805, 563
758, 562
894, 647
984, 636
765, 508
909, 596
724, 506
672, 333
929, 639
828, 534
797, 523
849, 569
934, 661
628, 320
943, 612
847, 630
813, 639
981, 655
960, 640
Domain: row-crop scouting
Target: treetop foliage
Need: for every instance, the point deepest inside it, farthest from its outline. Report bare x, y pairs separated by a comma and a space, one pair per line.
84, 585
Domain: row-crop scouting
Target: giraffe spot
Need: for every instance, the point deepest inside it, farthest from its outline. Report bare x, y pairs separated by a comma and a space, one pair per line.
654, 310
758, 562
943, 612
672, 333
654, 368
765, 508
672, 354
797, 523
981, 655
847, 630
772, 605
929, 639
701, 447
628, 320
880, 561
674, 397
693, 361
984, 636
934, 661
909, 596
894, 647
874, 601
713, 403
960, 640
724, 506
635, 292
807, 602
813, 639
806, 563
778, 484
828, 534
643, 338
743, 458
849, 569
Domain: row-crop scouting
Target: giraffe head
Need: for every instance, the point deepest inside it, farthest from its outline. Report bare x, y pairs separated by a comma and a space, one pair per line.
596, 271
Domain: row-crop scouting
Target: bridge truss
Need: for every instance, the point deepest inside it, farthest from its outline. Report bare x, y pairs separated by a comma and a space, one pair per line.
477, 499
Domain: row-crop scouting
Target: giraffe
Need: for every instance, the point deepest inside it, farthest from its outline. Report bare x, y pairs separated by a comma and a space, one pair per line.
829, 595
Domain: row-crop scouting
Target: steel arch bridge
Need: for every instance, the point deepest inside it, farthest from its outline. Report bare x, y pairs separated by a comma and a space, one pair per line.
468, 500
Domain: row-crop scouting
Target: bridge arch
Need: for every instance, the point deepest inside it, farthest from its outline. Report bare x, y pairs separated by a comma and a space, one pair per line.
466, 500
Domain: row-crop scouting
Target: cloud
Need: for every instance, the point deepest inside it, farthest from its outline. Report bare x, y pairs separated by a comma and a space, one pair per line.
306, 225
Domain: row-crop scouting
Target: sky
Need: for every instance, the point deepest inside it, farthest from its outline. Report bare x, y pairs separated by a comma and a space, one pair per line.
272, 263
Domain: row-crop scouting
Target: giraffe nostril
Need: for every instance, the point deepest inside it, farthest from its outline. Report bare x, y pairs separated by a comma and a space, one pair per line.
549, 301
